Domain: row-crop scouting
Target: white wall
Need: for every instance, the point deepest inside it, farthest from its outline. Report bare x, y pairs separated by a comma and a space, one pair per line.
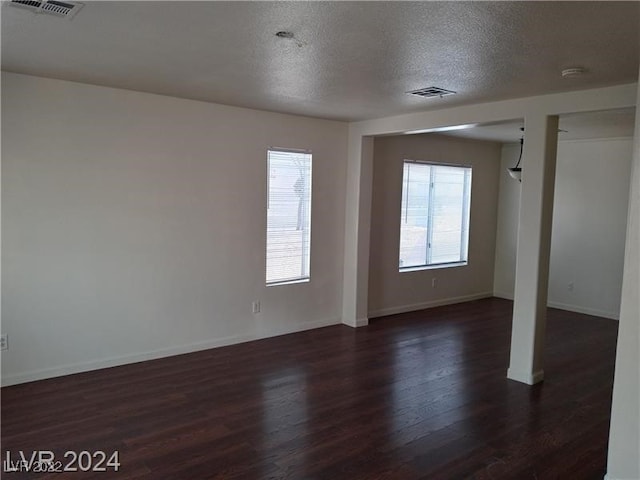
623, 462
391, 291
134, 226
589, 224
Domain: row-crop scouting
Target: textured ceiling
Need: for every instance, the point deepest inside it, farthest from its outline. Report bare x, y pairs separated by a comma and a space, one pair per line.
348, 60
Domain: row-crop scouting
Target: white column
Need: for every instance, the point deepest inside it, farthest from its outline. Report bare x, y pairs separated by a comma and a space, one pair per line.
534, 245
357, 230
624, 435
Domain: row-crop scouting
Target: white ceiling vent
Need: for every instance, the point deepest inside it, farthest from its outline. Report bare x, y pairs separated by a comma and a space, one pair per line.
432, 92
52, 7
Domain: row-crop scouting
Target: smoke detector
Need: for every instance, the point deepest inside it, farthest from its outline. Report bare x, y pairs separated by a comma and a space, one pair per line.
430, 92
51, 7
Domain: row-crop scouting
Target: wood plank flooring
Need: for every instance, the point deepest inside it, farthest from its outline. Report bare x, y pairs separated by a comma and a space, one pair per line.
421, 395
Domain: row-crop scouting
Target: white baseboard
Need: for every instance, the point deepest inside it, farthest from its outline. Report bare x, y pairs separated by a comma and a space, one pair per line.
525, 377
433, 303
587, 311
69, 369
356, 322
362, 322
505, 295
570, 308
609, 477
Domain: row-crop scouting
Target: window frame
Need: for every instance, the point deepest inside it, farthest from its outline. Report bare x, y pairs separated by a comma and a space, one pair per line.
305, 277
465, 220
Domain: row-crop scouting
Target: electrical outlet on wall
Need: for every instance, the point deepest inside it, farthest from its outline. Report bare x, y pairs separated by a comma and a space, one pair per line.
570, 286
4, 341
434, 282
255, 306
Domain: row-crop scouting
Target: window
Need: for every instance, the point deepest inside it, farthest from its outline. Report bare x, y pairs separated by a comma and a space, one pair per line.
288, 216
434, 227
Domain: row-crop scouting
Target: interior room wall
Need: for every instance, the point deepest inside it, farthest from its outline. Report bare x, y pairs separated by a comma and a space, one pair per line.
134, 226
391, 291
589, 225
624, 436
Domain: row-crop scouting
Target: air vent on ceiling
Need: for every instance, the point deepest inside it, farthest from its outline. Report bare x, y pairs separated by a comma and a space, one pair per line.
51, 7
432, 92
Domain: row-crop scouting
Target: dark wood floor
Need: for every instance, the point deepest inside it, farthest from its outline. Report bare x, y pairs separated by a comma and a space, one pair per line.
419, 395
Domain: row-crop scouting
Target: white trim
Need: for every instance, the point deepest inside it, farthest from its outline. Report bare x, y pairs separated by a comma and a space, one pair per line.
437, 164
609, 477
305, 279
433, 303
570, 308
70, 369
433, 266
587, 311
356, 323
362, 322
525, 377
290, 150
504, 295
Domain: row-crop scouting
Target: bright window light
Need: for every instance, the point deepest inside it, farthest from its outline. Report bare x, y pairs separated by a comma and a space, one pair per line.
434, 225
288, 216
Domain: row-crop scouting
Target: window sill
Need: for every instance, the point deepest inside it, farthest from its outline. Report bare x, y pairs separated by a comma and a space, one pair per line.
288, 282
433, 267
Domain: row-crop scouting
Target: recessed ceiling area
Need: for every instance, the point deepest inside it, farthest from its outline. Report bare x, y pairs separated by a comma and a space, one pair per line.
345, 60
576, 126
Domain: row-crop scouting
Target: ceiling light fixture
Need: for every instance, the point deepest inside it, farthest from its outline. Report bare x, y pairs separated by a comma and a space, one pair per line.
516, 172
